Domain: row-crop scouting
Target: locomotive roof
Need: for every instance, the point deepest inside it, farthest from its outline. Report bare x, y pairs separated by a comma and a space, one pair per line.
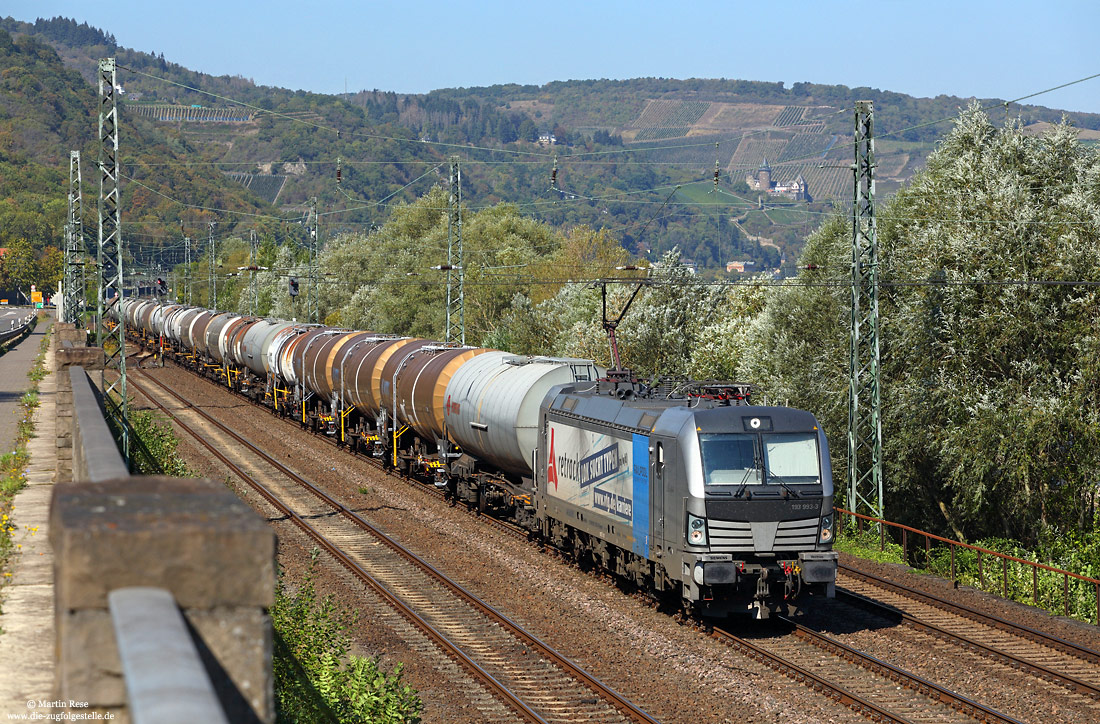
640, 414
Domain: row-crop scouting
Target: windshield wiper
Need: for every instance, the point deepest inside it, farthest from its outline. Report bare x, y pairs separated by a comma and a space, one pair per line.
744, 482
779, 479
756, 466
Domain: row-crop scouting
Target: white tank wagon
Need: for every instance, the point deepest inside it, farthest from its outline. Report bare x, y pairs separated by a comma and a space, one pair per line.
180, 323
256, 343
492, 404
173, 321
230, 338
215, 330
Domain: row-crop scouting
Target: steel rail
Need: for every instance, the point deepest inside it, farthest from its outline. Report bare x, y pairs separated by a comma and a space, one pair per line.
612, 697
960, 703
834, 691
1034, 635
1016, 662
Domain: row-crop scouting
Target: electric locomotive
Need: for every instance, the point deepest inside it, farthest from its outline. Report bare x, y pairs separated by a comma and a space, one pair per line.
692, 491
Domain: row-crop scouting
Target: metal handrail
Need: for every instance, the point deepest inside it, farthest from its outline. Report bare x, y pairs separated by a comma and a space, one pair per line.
166, 681
16, 331
953, 544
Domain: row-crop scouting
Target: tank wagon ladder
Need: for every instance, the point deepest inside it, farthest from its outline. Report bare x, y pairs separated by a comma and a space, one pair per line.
397, 433
344, 412
303, 398
350, 435
278, 394
231, 375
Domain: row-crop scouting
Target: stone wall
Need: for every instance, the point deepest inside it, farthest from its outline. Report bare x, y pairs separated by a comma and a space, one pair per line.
191, 537
69, 351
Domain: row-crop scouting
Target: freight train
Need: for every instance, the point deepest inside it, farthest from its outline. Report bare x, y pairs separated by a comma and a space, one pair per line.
686, 490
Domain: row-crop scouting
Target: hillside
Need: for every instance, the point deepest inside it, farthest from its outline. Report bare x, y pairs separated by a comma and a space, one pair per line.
621, 147
46, 110
797, 129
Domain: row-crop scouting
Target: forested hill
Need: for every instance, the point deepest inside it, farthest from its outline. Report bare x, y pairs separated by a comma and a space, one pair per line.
46, 110
172, 179
650, 146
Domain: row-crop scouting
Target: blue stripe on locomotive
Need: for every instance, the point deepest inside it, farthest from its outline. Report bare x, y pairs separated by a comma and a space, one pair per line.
640, 458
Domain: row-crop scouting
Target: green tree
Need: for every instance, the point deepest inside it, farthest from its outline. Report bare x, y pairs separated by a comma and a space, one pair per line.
991, 384
51, 268
19, 267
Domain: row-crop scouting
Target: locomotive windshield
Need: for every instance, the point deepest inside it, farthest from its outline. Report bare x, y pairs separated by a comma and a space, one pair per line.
792, 457
755, 459
730, 459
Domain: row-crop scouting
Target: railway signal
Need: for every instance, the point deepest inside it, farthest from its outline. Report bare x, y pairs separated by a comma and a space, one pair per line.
292, 286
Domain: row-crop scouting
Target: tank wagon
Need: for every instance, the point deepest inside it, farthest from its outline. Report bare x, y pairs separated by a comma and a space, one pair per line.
687, 490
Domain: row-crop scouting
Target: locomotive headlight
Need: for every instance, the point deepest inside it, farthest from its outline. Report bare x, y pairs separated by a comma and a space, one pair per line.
826, 529
697, 530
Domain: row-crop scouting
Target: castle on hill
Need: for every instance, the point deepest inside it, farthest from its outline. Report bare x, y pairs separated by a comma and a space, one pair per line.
762, 181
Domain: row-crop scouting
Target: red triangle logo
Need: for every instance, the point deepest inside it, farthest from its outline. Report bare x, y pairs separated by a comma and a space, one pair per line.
551, 466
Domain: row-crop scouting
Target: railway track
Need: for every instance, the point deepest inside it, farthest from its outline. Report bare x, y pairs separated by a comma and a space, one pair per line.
884, 692
1048, 657
527, 676
880, 691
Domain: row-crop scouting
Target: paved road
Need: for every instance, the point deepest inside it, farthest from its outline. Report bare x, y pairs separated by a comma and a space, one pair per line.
14, 365
11, 316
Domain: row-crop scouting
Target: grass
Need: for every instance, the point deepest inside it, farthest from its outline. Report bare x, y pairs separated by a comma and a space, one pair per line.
701, 193
154, 446
317, 678
1048, 590
792, 216
866, 544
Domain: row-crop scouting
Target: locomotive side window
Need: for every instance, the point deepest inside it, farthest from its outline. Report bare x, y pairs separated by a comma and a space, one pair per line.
730, 459
792, 457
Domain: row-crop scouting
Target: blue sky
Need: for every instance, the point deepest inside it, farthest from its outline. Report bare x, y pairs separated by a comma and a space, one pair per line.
967, 48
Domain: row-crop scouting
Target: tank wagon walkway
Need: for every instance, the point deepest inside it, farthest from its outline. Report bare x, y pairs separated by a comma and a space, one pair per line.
27, 599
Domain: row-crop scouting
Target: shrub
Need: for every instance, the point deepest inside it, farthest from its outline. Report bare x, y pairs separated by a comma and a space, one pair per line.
316, 680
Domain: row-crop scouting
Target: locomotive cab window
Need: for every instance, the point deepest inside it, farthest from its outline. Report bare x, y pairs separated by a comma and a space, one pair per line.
730, 459
766, 459
792, 457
